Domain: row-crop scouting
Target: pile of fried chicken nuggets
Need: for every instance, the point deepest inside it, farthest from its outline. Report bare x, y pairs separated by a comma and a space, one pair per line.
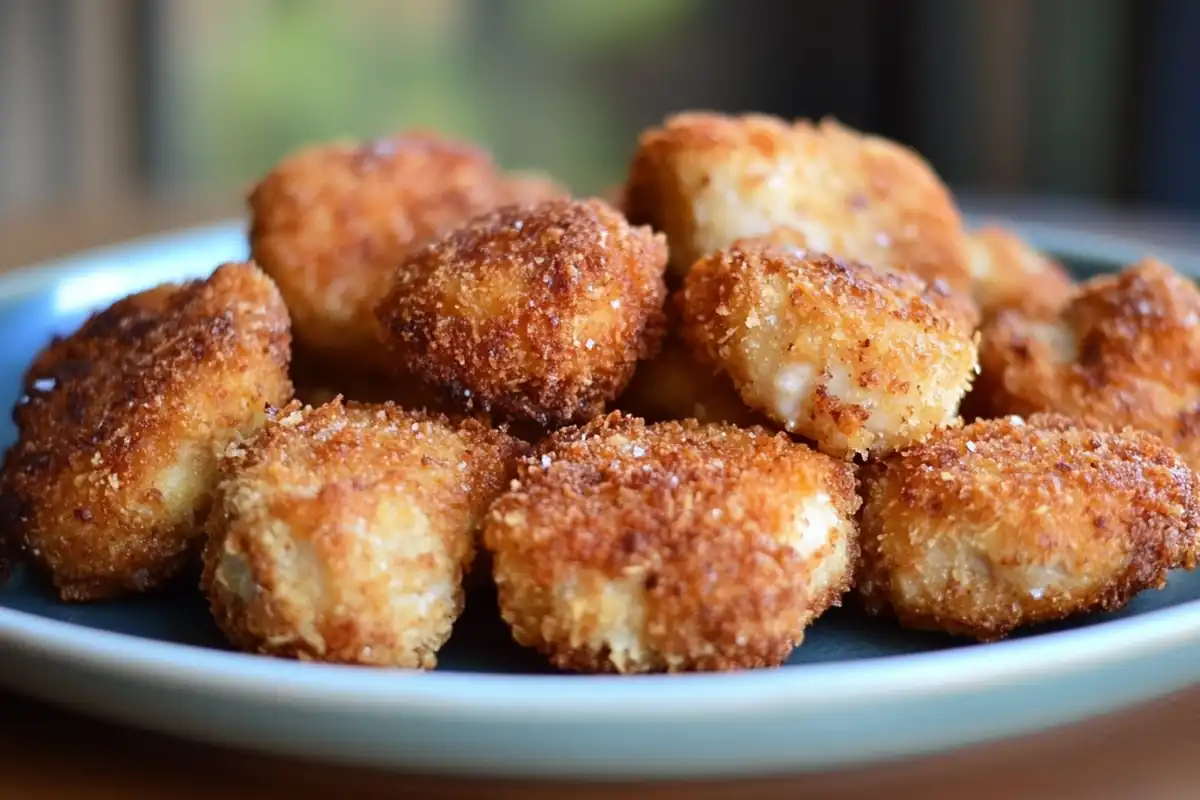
791, 319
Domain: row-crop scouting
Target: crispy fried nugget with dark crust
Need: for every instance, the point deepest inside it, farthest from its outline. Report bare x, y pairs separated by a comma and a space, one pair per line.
331, 223
1007, 273
707, 180
342, 533
1005, 523
535, 313
122, 422
856, 360
629, 547
1125, 351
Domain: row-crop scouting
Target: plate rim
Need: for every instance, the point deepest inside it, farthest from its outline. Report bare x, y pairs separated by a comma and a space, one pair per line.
541, 697
629, 698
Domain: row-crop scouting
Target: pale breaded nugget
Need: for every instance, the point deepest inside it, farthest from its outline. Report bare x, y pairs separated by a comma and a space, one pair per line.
627, 547
535, 313
342, 533
1005, 523
856, 360
707, 180
331, 223
1125, 351
122, 422
1007, 273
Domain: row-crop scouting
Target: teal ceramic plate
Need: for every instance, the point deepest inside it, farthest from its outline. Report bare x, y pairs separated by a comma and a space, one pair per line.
856, 690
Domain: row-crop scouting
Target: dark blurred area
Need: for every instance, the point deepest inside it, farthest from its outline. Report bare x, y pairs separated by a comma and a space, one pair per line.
106, 100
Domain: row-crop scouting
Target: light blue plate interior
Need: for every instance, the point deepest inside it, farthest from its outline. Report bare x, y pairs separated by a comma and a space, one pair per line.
36, 304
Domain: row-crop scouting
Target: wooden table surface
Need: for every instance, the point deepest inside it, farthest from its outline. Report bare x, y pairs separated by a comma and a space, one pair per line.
1149, 752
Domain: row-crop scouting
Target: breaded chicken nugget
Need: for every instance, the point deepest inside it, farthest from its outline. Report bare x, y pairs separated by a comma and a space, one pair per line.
1005, 523
1007, 273
627, 547
707, 180
1125, 351
331, 223
536, 313
856, 360
342, 533
122, 422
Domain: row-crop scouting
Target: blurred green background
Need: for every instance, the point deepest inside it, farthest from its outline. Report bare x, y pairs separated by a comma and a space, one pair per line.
107, 101
512, 75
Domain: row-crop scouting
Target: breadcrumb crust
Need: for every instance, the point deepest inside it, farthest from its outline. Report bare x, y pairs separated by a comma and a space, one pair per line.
1124, 351
856, 360
342, 533
330, 223
535, 313
631, 547
121, 423
707, 180
1010, 522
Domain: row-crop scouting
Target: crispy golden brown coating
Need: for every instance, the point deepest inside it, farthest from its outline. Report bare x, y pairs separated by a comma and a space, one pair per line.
1005, 523
707, 180
856, 360
1007, 273
951, 301
331, 223
627, 547
1125, 351
535, 313
122, 421
342, 533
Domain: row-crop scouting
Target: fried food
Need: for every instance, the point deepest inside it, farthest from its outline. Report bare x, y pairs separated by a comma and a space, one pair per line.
1125, 351
535, 313
1004, 523
627, 547
856, 360
121, 423
342, 533
1007, 273
331, 223
707, 180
